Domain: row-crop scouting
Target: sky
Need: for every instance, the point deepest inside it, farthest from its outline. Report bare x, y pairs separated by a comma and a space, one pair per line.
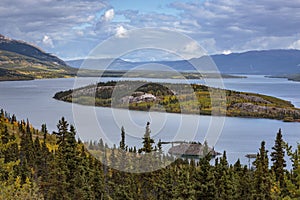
72, 29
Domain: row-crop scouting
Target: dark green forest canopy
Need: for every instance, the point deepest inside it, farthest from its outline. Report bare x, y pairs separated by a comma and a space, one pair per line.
37, 165
181, 98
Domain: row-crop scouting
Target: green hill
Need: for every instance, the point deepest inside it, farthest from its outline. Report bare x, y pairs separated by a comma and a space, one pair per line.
22, 61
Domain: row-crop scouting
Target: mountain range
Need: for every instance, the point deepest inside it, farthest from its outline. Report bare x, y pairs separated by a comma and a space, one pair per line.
267, 62
20, 60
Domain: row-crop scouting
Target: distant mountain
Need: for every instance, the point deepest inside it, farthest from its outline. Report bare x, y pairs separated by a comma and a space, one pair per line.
20, 60
260, 62
119, 64
116, 64
268, 62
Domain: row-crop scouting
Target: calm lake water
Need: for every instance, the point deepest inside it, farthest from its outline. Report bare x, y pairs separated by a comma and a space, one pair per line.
238, 136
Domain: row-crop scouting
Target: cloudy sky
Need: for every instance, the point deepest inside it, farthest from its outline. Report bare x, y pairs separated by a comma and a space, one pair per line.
71, 29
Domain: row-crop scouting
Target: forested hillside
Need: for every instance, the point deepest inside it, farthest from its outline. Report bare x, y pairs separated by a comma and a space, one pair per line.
37, 165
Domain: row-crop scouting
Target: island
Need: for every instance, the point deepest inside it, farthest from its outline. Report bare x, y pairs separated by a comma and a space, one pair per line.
160, 97
290, 77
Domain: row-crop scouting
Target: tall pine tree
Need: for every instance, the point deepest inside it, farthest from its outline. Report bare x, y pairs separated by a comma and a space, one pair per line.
147, 140
277, 157
262, 180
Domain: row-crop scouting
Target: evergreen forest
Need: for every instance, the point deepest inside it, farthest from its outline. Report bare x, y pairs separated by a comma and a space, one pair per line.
36, 164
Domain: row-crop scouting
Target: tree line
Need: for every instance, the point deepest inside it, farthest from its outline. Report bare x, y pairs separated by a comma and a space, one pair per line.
37, 165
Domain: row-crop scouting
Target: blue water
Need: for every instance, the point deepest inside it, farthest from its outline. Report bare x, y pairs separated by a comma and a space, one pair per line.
238, 136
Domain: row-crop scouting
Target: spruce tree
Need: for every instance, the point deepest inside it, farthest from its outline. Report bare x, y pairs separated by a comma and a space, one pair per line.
224, 179
27, 156
122, 142
70, 158
62, 127
147, 140
262, 182
185, 187
122, 155
12, 151
277, 157
293, 183
97, 180
38, 158
57, 183
45, 160
204, 180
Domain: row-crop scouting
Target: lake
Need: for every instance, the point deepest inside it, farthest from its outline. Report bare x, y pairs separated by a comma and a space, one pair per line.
238, 136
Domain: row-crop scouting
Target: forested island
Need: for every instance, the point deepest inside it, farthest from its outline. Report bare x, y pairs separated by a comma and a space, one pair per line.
290, 77
191, 99
37, 165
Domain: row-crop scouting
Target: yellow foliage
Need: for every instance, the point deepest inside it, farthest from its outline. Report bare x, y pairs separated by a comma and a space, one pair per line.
18, 182
275, 190
52, 147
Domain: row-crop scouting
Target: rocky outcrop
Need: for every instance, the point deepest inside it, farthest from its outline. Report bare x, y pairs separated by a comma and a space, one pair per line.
142, 97
253, 98
280, 113
191, 149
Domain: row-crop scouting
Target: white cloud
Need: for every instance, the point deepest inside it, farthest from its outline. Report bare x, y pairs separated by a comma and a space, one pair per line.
90, 18
227, 52
209, 45
104, 25
216, 25
295, 45
47, 41
121, 32
108, 15
269, 42
239, 30
80, 33
191, 47
32, 20
243, 25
